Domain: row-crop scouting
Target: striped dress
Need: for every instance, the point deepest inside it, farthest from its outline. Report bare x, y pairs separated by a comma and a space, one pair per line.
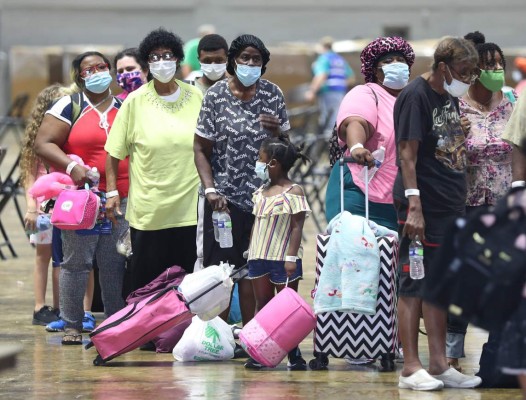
271, 233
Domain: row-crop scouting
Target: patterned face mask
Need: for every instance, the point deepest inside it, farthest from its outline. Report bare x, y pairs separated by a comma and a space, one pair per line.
130, 81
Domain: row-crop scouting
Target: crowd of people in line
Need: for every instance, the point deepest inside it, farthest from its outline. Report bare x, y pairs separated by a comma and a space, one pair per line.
170, 152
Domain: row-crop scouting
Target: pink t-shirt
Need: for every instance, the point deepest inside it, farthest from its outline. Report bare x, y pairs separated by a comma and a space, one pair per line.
360, 102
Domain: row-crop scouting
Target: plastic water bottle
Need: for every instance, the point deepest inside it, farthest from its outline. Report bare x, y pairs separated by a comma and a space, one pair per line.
224, 226
214, 222
379, 156
94, 176
43, 222
416, 259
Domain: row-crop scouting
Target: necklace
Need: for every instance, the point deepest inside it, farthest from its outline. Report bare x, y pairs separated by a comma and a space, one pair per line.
479, 104
102, 101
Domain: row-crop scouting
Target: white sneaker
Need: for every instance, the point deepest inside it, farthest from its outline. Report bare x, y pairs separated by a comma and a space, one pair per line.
454, 379
420, 380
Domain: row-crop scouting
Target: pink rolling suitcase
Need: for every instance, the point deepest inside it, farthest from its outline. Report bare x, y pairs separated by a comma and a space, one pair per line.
278, 328
138, 324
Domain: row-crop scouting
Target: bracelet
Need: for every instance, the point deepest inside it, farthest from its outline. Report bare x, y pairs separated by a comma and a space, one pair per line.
412, 192
210, 190
70, 167
112, 193
515, 184
291, 258
31, 212
356, 146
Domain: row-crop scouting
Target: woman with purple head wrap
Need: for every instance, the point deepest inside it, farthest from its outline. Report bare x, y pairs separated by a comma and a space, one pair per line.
365, 129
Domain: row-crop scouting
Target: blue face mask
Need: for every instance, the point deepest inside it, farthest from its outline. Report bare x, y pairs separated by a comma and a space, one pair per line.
99, 82
261, 171
248, 75
396, 75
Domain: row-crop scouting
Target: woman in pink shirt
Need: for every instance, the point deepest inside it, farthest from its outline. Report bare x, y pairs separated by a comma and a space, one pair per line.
365, 124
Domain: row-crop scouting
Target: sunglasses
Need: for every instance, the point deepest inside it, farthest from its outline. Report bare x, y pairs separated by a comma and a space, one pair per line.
166, 56
87, 72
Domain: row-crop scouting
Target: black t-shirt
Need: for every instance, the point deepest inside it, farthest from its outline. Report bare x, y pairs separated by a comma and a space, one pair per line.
433, 119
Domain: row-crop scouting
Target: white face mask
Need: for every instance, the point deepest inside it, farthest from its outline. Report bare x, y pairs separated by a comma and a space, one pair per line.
163, 71
516, 75
456, 88
213, 72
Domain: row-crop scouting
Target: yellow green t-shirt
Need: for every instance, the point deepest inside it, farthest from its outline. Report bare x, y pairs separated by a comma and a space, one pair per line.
158, 137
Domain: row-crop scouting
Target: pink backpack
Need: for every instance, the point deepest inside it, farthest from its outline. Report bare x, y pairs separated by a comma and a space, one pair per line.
277, 328
76, 209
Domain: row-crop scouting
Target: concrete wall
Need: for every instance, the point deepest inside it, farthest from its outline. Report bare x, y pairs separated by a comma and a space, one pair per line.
126, 22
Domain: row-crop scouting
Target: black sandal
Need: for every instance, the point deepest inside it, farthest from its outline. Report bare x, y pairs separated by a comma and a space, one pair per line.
72, 337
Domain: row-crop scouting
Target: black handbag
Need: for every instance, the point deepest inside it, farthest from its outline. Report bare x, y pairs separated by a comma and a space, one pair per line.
479, 273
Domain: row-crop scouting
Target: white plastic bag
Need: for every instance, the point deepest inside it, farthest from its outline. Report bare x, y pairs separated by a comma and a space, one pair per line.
205, 341
213, 302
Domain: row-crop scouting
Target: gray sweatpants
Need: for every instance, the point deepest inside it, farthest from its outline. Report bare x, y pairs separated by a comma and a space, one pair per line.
79, 252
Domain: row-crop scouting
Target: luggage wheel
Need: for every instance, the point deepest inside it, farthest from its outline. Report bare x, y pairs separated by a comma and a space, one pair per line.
387, 362
98, 361
320, 362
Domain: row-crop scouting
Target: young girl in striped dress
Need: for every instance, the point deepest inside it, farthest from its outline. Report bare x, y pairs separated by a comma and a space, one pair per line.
275, 250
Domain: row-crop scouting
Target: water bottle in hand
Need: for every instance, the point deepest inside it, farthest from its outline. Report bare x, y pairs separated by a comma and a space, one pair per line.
224, 226
214, 222
94, 177
43, 222
416, 259
379, 156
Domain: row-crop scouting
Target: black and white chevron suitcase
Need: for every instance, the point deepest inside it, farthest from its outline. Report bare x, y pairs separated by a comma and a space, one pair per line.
360, 336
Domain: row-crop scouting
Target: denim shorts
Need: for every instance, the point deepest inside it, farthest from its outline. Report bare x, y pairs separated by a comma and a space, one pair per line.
276, 270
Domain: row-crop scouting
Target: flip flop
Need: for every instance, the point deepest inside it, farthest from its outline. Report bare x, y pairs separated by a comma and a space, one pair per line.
74, 338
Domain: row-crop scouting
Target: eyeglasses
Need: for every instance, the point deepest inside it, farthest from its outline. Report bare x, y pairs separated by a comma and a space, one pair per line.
465, 77
87, 72
166, 56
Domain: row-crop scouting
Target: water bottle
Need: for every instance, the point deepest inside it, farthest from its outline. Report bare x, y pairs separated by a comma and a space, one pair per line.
94, 176
224, 226
214, 222
43, 222
379, 156
124, 246
416, 259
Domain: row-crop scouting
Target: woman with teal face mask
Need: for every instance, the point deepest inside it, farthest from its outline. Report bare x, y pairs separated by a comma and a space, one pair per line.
237, 115
485, 110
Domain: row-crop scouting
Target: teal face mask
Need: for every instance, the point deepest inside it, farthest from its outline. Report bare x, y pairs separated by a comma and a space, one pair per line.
492, 80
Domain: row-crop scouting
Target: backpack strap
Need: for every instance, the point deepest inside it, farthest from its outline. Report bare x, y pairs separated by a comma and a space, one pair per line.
77, 101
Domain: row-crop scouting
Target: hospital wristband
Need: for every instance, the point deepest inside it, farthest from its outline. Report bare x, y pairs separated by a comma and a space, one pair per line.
291, 258
412, 192
112, 193
356, 146
70, 167
210, 190
515, 184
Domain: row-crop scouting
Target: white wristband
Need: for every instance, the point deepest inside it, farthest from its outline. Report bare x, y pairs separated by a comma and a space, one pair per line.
356, 146
515, 184
412, 192
210, 190
112, 193
70, 167
291, 258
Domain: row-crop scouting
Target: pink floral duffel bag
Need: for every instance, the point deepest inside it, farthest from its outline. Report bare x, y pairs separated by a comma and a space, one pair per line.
76, 209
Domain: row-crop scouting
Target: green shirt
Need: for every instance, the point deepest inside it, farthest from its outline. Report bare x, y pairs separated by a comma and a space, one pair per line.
158, 137
191, 57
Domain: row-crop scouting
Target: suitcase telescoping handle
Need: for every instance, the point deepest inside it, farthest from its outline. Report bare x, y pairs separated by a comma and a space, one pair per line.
236, 271
342, 162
